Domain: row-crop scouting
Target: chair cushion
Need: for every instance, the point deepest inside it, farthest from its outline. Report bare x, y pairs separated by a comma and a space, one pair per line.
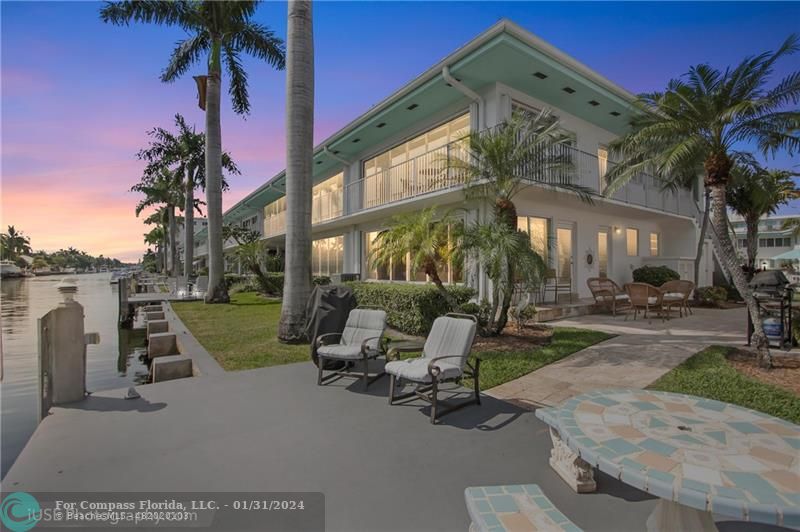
673, 296
450, 336
618, 297
416, 369
342, 352
652, 300
362, 324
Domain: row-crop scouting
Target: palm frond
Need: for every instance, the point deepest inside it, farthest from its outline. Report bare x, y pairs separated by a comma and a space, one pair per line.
187, 52
238, 82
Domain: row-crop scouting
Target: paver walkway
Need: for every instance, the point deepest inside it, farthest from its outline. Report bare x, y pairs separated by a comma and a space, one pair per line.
639, 354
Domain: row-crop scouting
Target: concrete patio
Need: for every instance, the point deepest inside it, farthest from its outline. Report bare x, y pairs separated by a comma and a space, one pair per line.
640, 353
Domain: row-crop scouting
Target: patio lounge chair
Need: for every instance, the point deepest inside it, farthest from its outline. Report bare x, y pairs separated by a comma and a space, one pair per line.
512, 508
200, 286
557, 285
444, 359
608, 294
676, 293
361, 340
645, 296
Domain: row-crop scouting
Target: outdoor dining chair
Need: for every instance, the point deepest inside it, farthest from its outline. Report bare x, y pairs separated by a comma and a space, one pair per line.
608, 294
444, 359
647, 297
361, 341
676, 293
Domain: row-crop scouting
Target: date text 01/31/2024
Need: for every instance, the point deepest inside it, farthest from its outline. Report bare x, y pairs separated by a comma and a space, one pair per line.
251, 505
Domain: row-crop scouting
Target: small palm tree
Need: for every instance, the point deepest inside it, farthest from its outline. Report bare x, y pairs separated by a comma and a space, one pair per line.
222, 31
792, 224
163, 188
429, 241
757, 192
299, 169
14, 243
528, 149
699, 121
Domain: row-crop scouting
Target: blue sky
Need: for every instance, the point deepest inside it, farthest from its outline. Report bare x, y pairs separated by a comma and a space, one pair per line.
79, 95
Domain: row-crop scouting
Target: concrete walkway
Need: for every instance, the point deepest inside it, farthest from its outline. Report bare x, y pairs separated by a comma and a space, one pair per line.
639, 354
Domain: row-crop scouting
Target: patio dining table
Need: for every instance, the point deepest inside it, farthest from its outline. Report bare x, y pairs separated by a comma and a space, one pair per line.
699, 456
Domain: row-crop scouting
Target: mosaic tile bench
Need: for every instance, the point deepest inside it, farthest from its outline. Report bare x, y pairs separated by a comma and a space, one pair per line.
517, 508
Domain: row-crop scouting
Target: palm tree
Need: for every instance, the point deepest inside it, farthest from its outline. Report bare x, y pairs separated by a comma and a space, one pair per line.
500, 163
222, 30
184, 152
431, 244
14, 243
163, 188
299, 156
700, 120
755, 192
155, 237
792, 224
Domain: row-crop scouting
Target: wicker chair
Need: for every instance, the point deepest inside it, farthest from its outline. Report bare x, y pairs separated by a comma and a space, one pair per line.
608, 294
676, 293
645, 296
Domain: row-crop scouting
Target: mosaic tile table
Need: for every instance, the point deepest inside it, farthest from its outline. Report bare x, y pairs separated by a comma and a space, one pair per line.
699, 456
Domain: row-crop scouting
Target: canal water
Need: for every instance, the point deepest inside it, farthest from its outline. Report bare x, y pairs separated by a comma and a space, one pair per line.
116, 362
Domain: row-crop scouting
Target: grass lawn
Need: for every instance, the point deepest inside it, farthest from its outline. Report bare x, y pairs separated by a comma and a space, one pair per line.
242, 335
709, 374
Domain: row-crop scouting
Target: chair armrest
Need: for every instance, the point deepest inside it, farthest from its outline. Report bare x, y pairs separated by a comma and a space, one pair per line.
393, 352
365, 347
434, 370
322, 338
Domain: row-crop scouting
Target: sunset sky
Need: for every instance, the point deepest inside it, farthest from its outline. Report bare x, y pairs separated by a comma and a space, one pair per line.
78, 95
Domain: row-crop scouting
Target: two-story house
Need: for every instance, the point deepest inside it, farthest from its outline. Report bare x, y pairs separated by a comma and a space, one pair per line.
393, 159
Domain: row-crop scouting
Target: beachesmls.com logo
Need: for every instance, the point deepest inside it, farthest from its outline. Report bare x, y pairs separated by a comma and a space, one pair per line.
20, 511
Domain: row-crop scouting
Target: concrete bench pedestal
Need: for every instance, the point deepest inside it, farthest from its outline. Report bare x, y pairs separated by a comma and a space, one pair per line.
161, 345
172, 367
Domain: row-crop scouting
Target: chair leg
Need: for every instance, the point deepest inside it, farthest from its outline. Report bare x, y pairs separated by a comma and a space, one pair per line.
477, 381
434, 397
320, 363
366, 372
391, 388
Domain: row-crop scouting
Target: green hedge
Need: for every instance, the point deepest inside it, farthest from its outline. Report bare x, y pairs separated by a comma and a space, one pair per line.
244, 281
411, 308
655, 275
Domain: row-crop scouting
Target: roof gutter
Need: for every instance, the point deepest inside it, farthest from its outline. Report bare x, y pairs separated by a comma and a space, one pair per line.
333, 155
474, 96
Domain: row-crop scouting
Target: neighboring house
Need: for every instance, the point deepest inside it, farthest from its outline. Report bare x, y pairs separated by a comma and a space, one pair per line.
200, 225
772, 240
390, 160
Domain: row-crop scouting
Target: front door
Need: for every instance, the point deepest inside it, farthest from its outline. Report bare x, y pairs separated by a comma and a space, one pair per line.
565, 243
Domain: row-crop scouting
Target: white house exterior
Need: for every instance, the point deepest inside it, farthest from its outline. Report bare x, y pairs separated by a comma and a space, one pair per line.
390, 161
772, 239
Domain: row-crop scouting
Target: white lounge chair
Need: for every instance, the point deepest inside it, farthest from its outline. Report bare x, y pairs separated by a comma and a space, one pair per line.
361, 340
200, 286
444, 359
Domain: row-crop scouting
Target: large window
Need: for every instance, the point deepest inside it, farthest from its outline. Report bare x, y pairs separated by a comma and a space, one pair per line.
539, 231
603, 237
417, 166
400, 270
275, 217
327, 199
632, 236
326, 255
654, 245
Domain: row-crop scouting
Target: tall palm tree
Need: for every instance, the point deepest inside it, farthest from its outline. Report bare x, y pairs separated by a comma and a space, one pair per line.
496, 165
755, 192
429, 241
184, 153
299, 156
700, 120
222, 30
155, 237
163, 187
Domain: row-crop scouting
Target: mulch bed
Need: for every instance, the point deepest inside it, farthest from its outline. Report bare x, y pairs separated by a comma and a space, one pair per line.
787, 378
724, 305
514, 339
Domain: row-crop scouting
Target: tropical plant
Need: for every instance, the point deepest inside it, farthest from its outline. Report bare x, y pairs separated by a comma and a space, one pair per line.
222, 30
755, 192
14, 243
155, 237
251, 252
701, 120
792, 224
163, 188
184, 153
429, 241
299, 172
529, 148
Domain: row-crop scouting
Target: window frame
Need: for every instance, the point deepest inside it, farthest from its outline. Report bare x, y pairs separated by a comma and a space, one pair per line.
628, 231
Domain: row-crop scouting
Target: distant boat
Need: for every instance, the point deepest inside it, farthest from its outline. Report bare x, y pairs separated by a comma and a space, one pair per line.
116, 275
9, 270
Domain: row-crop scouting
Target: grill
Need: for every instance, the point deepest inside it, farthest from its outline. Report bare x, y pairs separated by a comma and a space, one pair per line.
774, 296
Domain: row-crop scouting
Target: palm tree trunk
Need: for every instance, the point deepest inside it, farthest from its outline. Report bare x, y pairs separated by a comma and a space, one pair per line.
299, 155
433, 273
188, 226
173, 248
752, 244
217, 291
700, 243
730, 261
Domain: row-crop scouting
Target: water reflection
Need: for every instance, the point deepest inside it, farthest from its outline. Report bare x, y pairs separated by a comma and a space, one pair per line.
116, 362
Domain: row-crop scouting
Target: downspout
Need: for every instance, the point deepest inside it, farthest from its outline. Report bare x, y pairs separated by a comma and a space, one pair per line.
474, 96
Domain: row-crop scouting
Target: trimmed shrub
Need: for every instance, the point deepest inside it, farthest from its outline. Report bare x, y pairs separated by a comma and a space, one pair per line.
655, 275
247, 285
410, 308
712, 295
321, 280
